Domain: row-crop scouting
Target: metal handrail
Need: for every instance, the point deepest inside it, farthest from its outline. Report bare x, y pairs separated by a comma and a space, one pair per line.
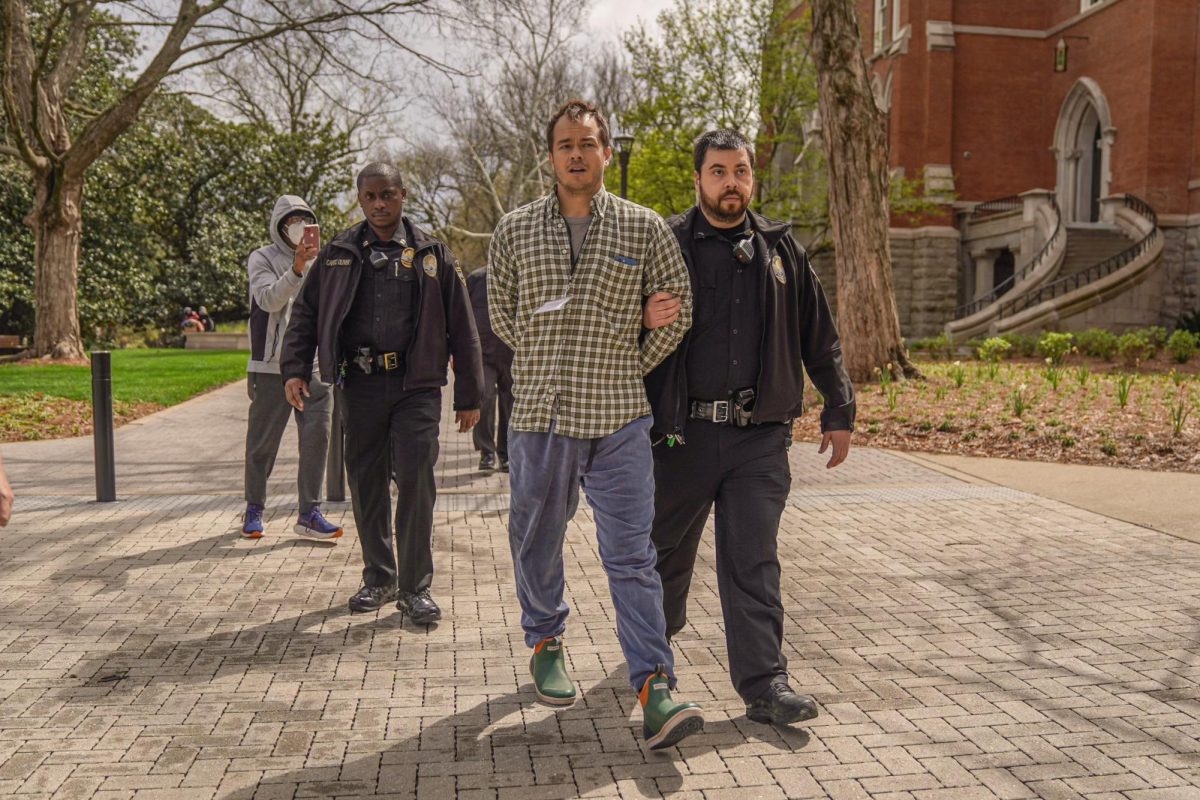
1002, 288
1096, 271
998, 206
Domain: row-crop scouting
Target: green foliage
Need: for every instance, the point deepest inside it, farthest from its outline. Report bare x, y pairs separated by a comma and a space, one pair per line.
1019, 400
1135, 347
937, 346
1180, 410
165, 377
1098, 343
958, 373
737, 64
1124, 385
16, 250
1053, 373
171, 211
1183, 345
991, 351
1023, 344
1055, 346
1156, 334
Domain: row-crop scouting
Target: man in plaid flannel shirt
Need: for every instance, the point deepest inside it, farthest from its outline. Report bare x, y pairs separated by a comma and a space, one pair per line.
569, 276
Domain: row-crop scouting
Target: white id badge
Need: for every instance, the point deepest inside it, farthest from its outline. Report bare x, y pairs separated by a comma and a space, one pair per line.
553, 305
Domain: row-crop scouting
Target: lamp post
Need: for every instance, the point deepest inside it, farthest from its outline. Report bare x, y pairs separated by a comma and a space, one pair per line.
624, 145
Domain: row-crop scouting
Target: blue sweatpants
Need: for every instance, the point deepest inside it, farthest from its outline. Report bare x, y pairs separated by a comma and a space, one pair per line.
617, 474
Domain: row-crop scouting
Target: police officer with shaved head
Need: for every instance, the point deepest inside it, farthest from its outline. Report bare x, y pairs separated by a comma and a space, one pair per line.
385, 308
723, 406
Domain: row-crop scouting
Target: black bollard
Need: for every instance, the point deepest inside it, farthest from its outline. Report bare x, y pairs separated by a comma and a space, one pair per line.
102, 427
335, 461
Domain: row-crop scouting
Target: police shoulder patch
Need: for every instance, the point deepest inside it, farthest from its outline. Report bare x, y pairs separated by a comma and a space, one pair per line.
338, 262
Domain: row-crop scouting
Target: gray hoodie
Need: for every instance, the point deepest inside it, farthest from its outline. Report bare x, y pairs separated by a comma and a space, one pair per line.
273, 286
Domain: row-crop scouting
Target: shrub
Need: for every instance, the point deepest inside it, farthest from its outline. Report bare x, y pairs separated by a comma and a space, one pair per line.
936, 346
1134, 348
1156, 334
1098, 343
1023, 344
1054, 346
1182, 345
994, 349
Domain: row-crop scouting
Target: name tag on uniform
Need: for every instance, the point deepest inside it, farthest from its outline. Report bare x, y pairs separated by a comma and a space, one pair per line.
553, 305
626, 260
338, 262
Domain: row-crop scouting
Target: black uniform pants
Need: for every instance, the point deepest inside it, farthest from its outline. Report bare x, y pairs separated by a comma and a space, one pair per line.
745, 473
497, 390
391, 434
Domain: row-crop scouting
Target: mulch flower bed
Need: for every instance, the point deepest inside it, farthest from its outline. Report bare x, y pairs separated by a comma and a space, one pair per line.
1014, 410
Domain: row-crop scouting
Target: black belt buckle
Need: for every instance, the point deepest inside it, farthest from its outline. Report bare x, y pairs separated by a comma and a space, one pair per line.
720, 411
391, 361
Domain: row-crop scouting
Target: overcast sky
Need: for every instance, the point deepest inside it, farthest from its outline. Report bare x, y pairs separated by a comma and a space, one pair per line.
611, 17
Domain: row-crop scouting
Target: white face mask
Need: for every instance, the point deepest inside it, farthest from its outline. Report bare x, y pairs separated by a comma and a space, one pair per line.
294, 233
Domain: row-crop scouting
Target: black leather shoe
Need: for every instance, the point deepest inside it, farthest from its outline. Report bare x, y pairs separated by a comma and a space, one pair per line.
503, 464
419, 606
372, 598
780, 705
487, 462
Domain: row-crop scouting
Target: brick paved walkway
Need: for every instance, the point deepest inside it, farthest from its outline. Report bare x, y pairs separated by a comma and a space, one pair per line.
965, 642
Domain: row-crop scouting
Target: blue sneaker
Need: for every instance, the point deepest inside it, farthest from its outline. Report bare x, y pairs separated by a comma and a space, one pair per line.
252, 527
315, 526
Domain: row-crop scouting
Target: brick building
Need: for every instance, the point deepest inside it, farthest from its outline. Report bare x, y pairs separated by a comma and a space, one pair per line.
1067, 133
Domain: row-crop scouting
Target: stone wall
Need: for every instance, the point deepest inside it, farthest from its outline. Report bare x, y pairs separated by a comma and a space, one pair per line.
925, 268
1181, 272
1134, 308
925, 273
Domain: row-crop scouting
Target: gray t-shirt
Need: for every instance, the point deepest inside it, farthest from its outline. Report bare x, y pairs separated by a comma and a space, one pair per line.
577, 227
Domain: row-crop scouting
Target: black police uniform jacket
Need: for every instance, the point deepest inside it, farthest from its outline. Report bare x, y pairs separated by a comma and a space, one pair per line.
797, 327
444, 324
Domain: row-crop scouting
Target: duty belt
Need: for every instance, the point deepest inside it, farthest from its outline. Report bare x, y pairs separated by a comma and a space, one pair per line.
711, 410
736, 411
369, 361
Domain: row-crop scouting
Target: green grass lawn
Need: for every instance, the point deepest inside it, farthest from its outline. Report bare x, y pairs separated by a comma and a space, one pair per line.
164, 377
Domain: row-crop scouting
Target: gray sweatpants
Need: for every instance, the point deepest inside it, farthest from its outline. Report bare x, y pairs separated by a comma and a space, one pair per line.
269, 412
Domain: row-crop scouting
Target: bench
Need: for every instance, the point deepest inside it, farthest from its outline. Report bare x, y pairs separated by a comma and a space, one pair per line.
11, 342
215, 340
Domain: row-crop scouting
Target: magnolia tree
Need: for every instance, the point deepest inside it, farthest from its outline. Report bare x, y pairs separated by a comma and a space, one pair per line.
57, 123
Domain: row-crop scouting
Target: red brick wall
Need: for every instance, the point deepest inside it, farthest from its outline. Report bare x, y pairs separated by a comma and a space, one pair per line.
998, 97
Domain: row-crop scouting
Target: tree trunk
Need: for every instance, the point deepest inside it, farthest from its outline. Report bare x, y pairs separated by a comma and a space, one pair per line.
856, 142
57, 226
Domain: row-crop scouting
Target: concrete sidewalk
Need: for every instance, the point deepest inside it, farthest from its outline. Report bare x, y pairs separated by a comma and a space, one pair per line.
1164, 501
965, 639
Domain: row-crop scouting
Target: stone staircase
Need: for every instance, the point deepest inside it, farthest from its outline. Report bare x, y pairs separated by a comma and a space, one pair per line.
1087, 247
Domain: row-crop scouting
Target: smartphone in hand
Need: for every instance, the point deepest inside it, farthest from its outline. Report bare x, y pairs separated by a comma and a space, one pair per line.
312, 236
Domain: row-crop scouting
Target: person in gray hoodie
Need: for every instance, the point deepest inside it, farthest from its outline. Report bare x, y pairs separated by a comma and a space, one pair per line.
276, 274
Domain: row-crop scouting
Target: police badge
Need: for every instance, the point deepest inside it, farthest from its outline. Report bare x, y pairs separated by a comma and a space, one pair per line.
429, 264
777, 269
406, 258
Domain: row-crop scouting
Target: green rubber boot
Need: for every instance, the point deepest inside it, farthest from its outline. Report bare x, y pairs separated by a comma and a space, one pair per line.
548, 666
665, 722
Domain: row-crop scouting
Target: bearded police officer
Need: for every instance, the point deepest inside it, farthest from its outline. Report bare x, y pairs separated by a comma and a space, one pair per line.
723, 406
384, 308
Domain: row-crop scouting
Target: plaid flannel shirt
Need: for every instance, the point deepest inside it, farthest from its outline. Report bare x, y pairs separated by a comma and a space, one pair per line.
582, 365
